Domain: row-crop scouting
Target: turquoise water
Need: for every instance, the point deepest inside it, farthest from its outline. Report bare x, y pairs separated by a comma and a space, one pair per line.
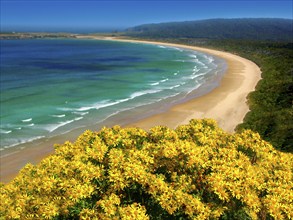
50, 87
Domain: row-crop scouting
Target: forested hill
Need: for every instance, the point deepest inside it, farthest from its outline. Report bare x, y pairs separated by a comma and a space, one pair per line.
246, 28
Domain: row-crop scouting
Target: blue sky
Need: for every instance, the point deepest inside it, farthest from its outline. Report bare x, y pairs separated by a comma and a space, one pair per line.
94, 14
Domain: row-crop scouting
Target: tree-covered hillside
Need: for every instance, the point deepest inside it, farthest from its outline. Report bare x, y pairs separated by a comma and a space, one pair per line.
248, 28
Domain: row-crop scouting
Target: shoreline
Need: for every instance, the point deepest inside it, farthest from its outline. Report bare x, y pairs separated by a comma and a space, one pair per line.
226, 104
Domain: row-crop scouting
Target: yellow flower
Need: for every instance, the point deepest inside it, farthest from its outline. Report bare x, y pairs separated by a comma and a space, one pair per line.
133, 212
195, 171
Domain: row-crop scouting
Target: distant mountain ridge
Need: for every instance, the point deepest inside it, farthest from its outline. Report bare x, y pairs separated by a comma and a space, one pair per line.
276, 29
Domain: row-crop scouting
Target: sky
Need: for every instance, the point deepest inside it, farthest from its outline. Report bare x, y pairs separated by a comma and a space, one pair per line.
95, 15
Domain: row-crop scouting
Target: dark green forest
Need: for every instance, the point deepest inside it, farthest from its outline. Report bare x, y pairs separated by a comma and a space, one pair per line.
271, 104
246, 28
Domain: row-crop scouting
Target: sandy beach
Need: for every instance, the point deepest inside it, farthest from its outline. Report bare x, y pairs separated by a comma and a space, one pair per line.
226, 104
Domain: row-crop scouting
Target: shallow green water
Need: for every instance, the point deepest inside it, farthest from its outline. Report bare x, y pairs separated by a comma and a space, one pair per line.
50, 87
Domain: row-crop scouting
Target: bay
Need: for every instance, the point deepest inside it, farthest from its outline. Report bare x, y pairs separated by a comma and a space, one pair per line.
52, 86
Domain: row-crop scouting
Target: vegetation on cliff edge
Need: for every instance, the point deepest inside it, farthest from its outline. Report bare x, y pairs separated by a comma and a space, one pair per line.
196, 171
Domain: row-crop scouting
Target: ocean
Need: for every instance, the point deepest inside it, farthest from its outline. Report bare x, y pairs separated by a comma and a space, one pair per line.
54, 86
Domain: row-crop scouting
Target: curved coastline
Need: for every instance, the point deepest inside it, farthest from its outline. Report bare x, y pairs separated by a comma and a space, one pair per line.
226, 104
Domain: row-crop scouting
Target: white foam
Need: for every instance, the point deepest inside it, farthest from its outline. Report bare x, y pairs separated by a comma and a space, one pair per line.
144, 104
144, 92
196, 60
86, 108
209, 58
164, 80
80, 113
160, 46
53, 127
194, 88
5, 131
197, 75
195, 69
65, 109
99, 105
155, 83
199, 62
173, 87
167, 97
58, 116
108, 103
176, 48
30, 125
27, 120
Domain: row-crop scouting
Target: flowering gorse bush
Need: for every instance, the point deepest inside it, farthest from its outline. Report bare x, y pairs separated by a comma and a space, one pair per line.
197, 171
